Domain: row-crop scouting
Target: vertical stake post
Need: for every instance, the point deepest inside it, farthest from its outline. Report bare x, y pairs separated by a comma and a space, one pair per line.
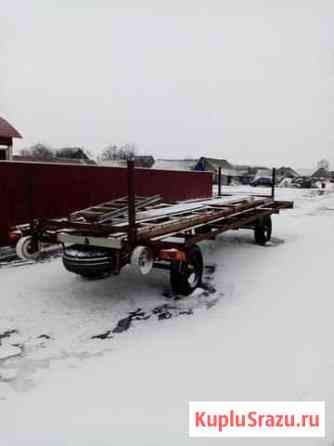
273, 181
219, 181
131, 203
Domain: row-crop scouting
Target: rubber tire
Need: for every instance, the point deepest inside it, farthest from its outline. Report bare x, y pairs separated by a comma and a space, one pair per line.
135, 260
24, 249
263, 230
179, 273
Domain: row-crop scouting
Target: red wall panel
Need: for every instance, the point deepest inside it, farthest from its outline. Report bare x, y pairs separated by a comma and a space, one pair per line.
29, 190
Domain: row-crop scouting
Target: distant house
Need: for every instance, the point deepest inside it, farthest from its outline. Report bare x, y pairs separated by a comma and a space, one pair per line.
248, 173
40, 153
251, 170
213, 164
82, 161
263, 172
286, 172
146, 161
321, 173
174, 164
55, 160
240, 173
243, 169
72, 153
7, 133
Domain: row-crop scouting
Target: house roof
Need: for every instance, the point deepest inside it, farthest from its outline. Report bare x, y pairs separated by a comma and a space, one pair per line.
7, 130
228, 169
174, 164
139, 161
287, 171
264, 172
54, 160
321, 173
215, 163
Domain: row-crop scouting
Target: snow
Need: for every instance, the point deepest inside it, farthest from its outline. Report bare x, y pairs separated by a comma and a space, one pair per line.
260, 330
5, 391
8, 374
7, 351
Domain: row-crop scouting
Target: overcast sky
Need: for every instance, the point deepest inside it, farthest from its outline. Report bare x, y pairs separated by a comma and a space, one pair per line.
246, 80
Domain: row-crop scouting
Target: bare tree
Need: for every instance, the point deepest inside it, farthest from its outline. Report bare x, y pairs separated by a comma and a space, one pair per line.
323, 164
113, 152
127, 151
109, 153
38, 152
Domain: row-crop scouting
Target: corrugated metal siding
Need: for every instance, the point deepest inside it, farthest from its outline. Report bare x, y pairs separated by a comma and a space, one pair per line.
30, 190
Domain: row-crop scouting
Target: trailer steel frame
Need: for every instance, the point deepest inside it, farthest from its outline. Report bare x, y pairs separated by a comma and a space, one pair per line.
168, 231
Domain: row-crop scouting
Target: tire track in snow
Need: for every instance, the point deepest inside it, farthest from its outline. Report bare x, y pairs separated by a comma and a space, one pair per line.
18, 369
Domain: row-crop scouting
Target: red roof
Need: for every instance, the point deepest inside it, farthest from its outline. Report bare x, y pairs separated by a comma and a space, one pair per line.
7, 130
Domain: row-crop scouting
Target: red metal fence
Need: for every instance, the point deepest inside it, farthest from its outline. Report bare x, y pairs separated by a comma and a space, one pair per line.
29, 190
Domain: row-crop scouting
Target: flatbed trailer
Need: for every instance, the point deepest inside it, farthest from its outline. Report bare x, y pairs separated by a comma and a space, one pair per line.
147, 232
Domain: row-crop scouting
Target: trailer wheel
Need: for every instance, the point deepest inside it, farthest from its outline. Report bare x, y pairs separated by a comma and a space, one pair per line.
263, 229
142, 259
26, 248
186, 276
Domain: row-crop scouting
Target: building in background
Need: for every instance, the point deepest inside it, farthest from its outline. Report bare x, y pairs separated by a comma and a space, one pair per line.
7, 133
175, 164
322, 173
146, 161
230, 173
205, 164
286, 172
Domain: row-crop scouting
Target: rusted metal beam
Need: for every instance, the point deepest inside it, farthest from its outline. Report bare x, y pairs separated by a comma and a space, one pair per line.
272, 210
219, 181
131, 203
273, 182
201, 218
227, 226
282, 205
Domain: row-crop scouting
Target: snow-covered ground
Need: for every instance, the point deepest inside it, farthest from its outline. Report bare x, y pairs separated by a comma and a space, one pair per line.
79, 365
